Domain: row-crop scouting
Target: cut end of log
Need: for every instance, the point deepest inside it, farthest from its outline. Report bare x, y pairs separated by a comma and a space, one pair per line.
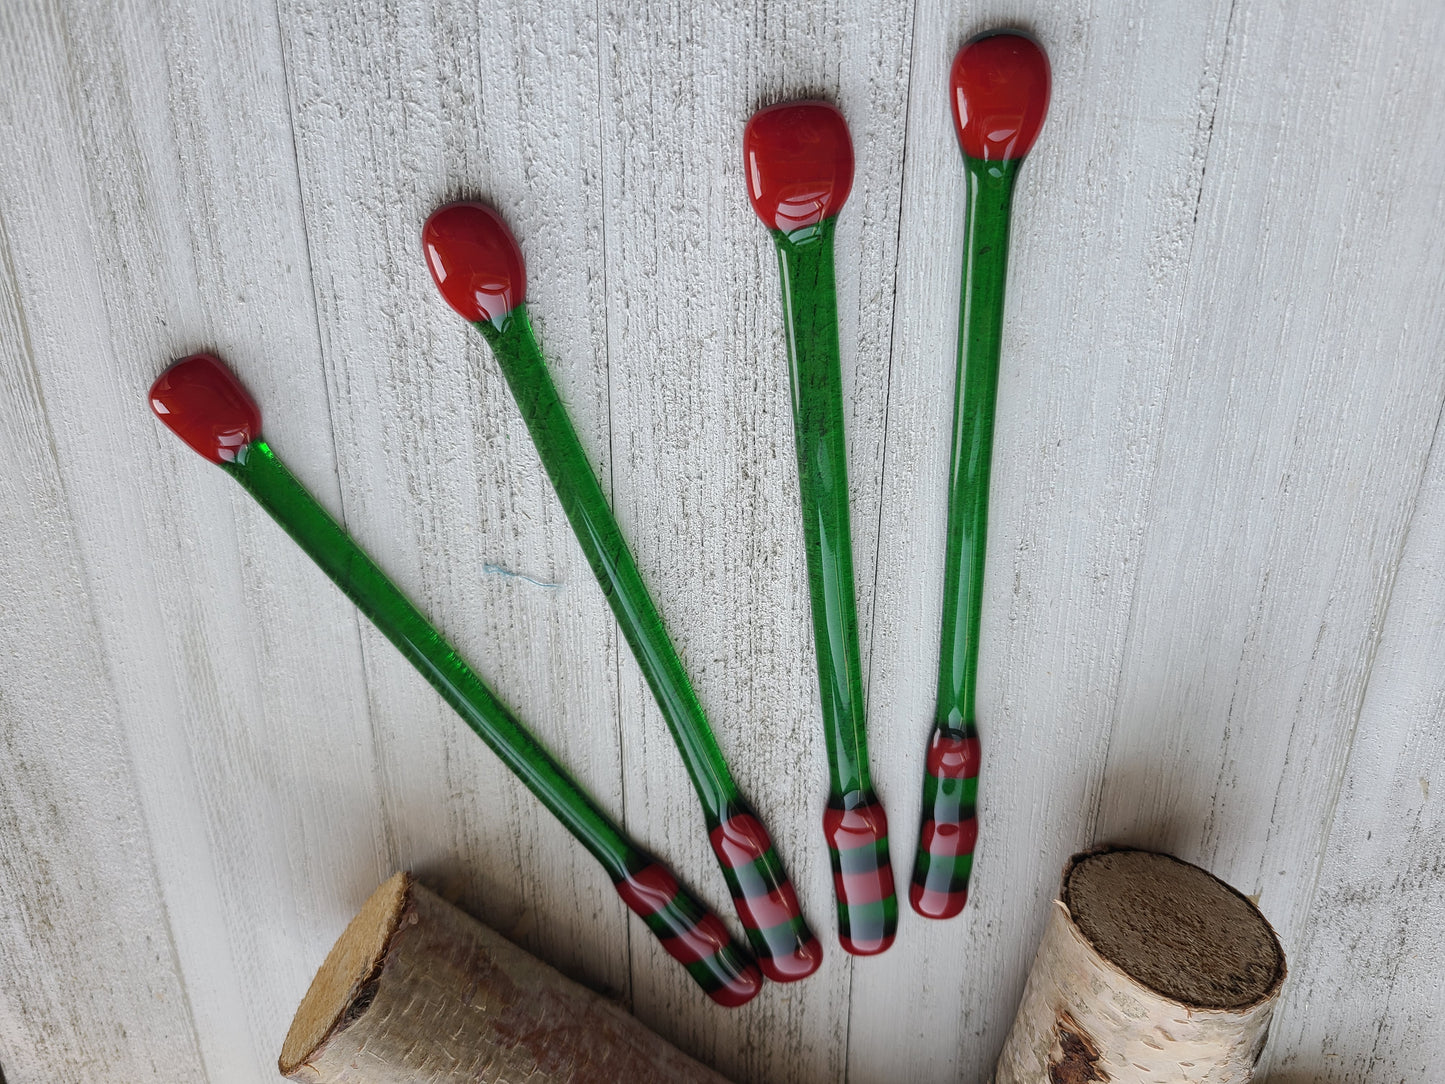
1174, 928
418, 990
1150, 969
341, 989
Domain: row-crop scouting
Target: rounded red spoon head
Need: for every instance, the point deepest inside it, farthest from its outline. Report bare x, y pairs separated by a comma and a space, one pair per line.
203, 403
1000, 91
799, 163
475, 261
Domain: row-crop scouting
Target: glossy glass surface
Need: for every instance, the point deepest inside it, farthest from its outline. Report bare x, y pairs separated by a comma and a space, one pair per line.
202, 403
811, 320
474, 261
862, 875
688, 931
690, 934
765, 901
999, 88
949, 829
725, 973
798, 158
990, 193
478, 268
277, 491
941, 870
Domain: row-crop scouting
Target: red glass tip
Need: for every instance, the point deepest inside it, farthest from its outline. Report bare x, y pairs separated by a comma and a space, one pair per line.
999, 86
739, 989
203, 403
792, 966
475, 261
936, 903
799, 162
866, 946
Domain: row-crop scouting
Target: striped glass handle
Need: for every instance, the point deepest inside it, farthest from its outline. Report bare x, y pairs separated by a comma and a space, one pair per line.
689, 933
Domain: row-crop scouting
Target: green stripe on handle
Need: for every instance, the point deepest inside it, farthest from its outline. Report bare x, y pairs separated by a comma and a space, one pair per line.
950, 829
690, 934
857, 833
1000, 90
765, 901
939, 884
810, 309
799, 164
477, 267
200, 400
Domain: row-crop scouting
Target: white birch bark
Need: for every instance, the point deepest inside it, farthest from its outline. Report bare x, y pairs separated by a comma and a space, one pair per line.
418, 990
1084, 1018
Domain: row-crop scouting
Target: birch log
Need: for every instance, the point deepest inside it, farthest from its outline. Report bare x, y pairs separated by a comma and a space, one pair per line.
417, 990
1150, 970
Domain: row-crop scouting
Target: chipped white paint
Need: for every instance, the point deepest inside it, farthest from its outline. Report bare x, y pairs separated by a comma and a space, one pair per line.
1220, 389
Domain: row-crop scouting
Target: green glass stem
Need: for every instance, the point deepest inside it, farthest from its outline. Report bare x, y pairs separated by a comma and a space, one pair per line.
765, 900
590, 514
949, 829
683, 924
855, 822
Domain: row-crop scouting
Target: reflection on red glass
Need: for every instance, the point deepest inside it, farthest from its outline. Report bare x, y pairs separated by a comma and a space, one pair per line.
799, 163
203, 403
1000, 92
475, 261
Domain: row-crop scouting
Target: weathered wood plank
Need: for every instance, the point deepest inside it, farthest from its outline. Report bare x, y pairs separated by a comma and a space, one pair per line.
92, 989
158, 214
1218, 396
704, 468
397, 111
1364, 1000
1303, 409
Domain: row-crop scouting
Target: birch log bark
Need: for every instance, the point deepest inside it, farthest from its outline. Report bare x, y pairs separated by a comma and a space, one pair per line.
416, 989
1150, 970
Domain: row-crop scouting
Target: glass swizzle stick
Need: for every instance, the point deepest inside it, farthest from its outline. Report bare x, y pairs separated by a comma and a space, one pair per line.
798, 160
202, 403
999, 87
478, 268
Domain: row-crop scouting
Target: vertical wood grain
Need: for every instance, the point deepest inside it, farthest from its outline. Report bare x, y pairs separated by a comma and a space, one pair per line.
77, 869
157, 214
1298, 432
703, 465
397, 111
1218, 400
1364, 1000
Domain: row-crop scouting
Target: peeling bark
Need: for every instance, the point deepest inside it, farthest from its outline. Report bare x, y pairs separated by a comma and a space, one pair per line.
1076, 1060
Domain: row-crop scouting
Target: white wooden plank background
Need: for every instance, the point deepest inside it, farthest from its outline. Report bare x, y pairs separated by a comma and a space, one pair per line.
1214, 612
